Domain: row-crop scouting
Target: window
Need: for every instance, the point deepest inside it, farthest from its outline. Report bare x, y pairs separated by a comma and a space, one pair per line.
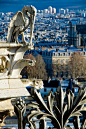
53, 54
63, 54
50, 54
45, 90
68, 54
57, 74
61, 74
47, 54
66, 73
58, 54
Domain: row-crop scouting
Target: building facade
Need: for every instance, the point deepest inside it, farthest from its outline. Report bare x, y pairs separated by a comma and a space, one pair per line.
76, 35
59, 56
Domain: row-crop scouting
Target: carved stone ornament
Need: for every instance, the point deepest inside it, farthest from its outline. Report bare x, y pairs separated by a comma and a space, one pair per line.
20, 22
11, 56
20, 108
59, 108
12, 62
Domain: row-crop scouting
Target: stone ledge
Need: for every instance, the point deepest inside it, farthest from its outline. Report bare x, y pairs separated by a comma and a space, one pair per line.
11, 84
13, 93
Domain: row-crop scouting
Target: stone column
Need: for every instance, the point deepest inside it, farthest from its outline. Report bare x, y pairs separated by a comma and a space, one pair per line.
19, 109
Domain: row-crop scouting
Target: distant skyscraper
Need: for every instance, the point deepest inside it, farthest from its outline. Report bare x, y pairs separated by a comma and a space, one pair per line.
50, 9
62, 11
45, 11
67, 10
54, 10
39, 11
84, 15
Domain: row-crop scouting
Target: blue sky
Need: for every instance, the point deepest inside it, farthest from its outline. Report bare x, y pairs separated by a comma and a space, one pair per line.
15, 5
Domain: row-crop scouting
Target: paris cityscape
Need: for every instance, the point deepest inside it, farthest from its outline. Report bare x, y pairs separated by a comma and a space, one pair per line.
59, 48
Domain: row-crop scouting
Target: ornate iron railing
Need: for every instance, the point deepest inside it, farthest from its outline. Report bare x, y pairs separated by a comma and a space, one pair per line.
59, 108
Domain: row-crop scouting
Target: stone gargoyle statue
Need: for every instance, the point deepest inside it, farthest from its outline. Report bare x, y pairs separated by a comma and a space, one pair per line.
36, 83
20, 22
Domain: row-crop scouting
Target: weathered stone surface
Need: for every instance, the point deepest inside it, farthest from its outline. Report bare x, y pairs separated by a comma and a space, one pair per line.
36, 83
12, 62
6, 105
10, 84
4, 84
14, 87
13, 93
20, 22
6, 109
11, 58
12, 52
15, 83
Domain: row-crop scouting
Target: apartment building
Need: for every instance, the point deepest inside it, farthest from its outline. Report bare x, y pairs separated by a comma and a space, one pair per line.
59, 55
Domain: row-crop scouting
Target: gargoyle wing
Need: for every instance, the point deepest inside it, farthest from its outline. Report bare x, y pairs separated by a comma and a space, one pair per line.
16, 21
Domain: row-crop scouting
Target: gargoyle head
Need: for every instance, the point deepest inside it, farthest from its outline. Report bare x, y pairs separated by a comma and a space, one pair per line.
32, 14
31, 9
38, 84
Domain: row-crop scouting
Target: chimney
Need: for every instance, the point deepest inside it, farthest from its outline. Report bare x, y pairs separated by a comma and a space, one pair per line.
57, 49
66, 50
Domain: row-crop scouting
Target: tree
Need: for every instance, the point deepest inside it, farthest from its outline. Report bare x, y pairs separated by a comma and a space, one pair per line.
58, 69
27, 69
38, 71
40, 67
76, 65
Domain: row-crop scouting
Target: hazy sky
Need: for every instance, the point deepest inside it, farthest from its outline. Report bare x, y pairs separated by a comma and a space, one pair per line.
15, 5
